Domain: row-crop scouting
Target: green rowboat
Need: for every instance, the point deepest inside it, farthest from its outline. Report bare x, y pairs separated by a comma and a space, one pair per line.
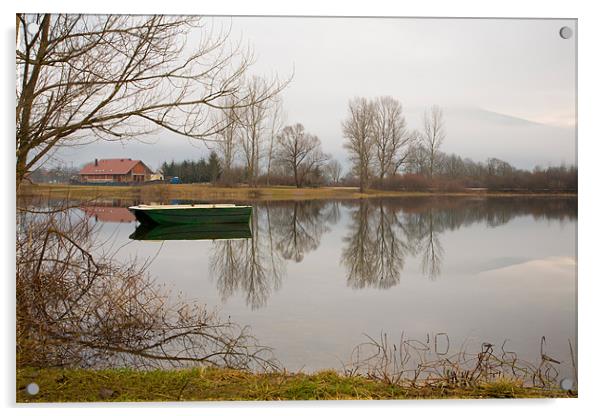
150, 232
199, 214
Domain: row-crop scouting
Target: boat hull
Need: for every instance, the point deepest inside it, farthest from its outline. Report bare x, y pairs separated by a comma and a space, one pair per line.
199, 216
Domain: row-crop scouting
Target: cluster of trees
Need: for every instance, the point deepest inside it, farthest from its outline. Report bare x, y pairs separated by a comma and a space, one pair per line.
293, 157
377, 138
190, 171
88, 77
55, 174
453, 171
256, 147
383, 151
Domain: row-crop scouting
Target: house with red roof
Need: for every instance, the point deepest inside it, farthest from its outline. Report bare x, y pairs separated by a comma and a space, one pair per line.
115, 170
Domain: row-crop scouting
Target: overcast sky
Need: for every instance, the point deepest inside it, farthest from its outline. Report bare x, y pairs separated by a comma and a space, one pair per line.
507, 87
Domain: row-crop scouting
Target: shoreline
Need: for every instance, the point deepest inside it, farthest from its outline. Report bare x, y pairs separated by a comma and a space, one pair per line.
210, 384
244, 193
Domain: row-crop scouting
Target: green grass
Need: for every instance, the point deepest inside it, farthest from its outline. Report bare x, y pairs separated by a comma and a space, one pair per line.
199, 384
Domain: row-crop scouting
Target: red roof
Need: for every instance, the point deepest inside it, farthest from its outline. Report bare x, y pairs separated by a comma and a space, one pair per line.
109, 166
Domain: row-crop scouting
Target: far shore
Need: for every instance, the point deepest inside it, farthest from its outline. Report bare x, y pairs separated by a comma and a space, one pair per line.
163, 192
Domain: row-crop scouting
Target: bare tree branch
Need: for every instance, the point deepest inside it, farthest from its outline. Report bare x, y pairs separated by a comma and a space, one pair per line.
120, 77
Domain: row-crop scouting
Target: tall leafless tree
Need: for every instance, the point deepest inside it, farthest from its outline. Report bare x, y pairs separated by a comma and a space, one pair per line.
255, 126
300, 152
333, 170
390, 136
226, 144
432, 136
358, 130
85, 77
276, 121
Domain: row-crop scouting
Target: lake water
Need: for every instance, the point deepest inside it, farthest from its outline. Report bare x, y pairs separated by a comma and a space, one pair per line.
316, 277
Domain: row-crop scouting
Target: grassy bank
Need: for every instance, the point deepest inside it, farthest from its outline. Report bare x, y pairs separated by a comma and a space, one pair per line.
58, 385
164, 192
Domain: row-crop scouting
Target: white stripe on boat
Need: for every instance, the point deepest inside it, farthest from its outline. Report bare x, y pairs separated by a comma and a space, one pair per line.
156, 207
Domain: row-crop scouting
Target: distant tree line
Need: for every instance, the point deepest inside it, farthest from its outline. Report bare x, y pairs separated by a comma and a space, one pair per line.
55, 174
385, 154
454, 172
190, 171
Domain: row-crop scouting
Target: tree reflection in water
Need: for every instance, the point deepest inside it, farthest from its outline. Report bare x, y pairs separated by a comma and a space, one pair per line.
376, 246
280, 231
382, 234
300, 231
250, 266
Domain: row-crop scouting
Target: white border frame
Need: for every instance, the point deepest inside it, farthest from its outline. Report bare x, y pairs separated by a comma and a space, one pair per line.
589, 68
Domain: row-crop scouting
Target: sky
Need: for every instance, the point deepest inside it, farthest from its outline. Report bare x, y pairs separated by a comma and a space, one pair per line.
506, 86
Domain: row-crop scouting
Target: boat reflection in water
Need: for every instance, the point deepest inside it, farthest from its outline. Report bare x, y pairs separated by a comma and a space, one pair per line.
191, 232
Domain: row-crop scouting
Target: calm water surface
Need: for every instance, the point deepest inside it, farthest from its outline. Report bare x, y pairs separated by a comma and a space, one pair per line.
315, 277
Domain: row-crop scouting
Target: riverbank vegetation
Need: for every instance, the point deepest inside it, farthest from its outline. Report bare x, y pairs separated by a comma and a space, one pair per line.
206, 192
119, 385
78, 306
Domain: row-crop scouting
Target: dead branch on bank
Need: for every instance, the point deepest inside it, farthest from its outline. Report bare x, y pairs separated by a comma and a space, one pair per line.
78, 306
429, 363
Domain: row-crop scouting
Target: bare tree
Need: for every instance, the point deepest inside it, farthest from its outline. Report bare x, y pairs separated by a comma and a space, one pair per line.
117, 77
358, 130
432, 135
390, 136
417, 157
276, 121
255, 126
300, 152
227, 140
333, 170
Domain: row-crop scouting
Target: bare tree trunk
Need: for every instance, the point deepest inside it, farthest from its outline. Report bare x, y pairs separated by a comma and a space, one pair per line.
276, 125
295, 169
432, 135
358, 130
254, 119
299, 151
390, 135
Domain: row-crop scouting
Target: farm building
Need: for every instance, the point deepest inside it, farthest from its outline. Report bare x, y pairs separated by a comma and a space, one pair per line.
115, 170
